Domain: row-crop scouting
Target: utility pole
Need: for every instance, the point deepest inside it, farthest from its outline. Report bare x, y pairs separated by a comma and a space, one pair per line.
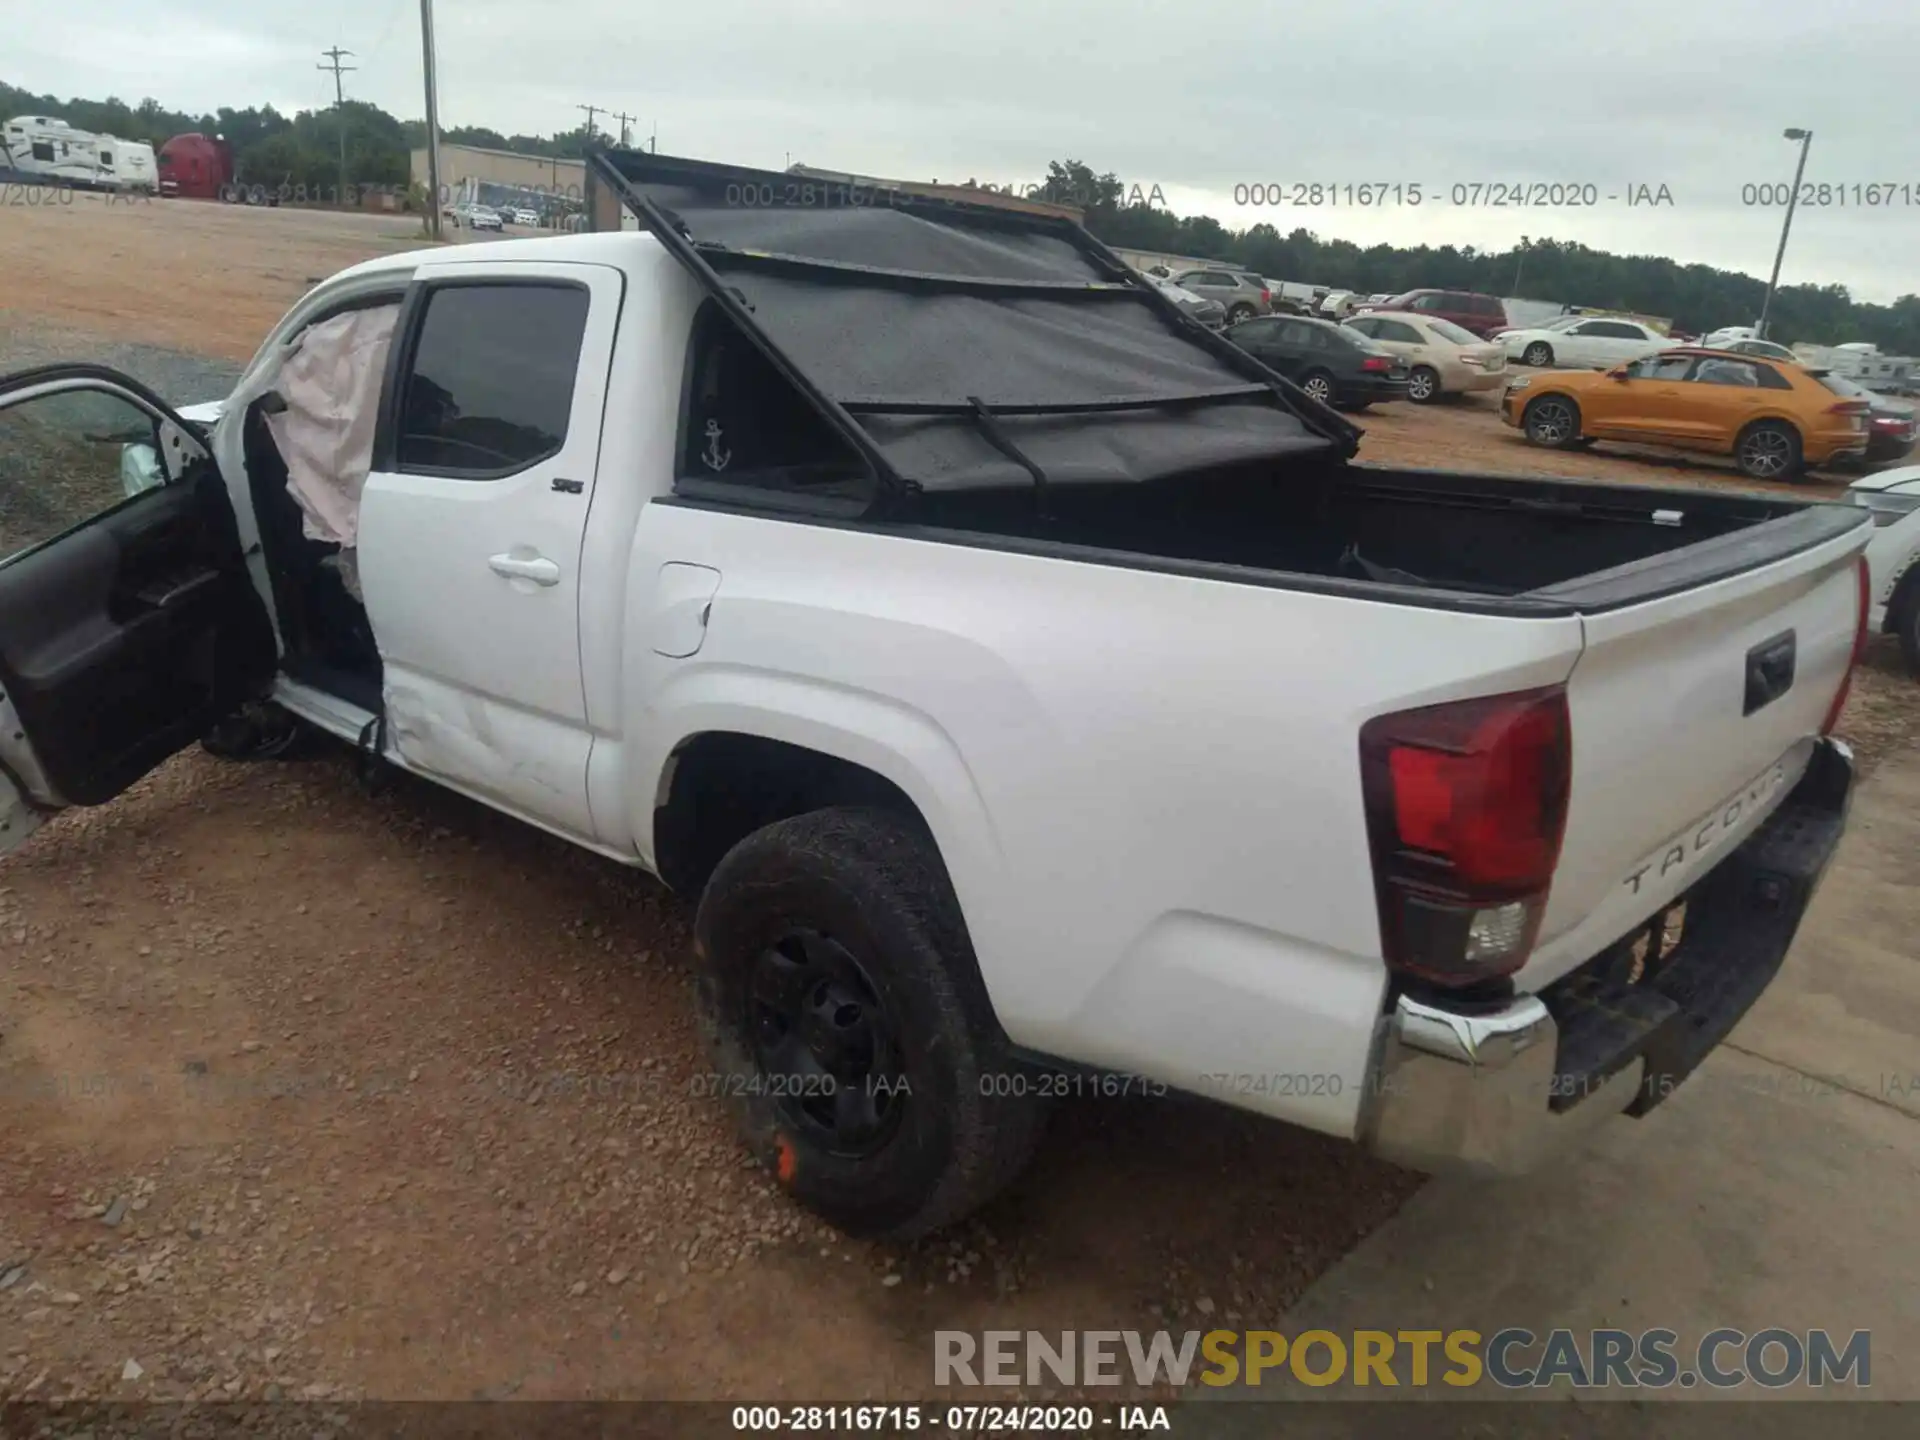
433, 120
1805, 137
592, 110
334, 57
624, 119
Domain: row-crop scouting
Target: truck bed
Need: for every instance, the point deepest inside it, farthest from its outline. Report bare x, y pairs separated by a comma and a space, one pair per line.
1432, 536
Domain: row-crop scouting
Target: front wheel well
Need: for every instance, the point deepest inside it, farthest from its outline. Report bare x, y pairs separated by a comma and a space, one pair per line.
721, 786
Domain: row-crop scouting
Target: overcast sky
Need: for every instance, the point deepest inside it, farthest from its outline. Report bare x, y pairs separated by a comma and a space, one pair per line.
1195, 98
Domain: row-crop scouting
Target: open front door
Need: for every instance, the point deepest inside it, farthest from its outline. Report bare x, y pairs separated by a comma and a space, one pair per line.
128, 624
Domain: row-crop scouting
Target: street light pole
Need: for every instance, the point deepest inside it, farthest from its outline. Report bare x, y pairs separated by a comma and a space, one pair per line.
433, 122
1805, 137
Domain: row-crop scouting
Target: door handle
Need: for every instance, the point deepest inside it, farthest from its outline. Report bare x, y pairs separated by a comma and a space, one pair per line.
538, 569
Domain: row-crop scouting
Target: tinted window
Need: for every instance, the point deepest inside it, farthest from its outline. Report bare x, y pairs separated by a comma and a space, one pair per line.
746, 422
1661, 367
1400, 331
1727, 372
1617, 330
1447, 330
491, 384
1366, 325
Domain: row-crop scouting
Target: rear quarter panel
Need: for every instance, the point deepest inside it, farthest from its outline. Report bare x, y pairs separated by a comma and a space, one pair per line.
1145, 786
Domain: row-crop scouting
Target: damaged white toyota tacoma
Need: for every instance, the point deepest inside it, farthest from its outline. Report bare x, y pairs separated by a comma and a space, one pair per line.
1028, 685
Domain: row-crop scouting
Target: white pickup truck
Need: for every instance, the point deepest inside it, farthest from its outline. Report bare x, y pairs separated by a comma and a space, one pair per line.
1030, 689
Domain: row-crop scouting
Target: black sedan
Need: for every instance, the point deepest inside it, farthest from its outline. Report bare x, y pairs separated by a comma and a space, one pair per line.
1330, 362
1891, 426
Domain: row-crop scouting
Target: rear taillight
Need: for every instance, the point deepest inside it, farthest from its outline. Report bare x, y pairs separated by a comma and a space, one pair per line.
1849, 407
1466, 804
1859, 646
1376, 362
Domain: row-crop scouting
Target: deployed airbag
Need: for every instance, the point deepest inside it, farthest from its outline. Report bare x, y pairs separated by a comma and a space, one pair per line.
331, 386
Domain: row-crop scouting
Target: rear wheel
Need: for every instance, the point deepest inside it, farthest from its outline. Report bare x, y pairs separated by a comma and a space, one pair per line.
850, 1029
1553, 421
1318, 384
1538, 353
1423, 385
1904, 620
1768, 450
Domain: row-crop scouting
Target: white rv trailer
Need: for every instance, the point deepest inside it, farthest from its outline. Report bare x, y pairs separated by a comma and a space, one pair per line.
1863, 364
40, 148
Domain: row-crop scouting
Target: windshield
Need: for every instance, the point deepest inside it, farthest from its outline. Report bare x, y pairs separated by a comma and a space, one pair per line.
1459, 335
1561, 322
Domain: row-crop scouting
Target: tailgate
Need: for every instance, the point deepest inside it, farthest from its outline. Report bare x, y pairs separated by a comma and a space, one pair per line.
1693, 715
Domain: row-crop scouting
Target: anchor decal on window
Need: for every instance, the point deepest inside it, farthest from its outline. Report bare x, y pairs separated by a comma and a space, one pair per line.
715, 456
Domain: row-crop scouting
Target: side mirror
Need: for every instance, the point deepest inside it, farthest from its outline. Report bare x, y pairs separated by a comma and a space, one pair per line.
1619, 372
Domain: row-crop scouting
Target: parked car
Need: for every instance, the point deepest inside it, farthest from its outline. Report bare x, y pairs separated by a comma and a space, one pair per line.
1763, 348
1482, 314
1333, 364
524, 216
1583, 340
1406, 786
1737, 345
1240, 295
1893, 555
474, 217
1210, 313
1891, 425
1775, 419
1442, 359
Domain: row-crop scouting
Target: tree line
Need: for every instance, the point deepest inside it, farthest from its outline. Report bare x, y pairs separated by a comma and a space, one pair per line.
1697, 298
303, 150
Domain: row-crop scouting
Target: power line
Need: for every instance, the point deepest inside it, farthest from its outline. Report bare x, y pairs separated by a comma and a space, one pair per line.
625, 120
592, 110
334, 56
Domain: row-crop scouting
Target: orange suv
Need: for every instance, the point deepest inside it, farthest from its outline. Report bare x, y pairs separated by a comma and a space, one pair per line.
1774, 418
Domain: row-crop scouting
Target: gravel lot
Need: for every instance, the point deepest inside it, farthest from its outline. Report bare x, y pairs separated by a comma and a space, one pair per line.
310, 1092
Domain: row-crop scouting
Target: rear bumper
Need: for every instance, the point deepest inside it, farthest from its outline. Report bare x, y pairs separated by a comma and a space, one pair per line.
1372, 391
1501, 1088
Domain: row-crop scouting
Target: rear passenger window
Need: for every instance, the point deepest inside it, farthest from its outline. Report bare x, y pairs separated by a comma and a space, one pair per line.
490, 386
746, 423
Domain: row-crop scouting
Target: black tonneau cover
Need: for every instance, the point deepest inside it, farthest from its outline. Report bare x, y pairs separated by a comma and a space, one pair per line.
965, 346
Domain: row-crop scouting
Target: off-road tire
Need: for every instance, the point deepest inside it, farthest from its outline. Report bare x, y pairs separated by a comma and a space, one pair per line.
873, 884
1903, 618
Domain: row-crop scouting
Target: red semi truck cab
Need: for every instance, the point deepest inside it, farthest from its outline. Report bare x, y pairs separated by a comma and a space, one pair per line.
195, 167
